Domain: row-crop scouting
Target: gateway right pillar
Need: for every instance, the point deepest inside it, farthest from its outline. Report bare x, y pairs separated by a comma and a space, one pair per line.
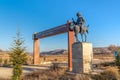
82, 57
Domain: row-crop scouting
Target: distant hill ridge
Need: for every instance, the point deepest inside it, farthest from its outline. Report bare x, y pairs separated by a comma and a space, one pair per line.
65, 52
55, 52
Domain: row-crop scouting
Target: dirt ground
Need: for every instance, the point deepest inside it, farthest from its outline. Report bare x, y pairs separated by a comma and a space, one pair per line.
6, 72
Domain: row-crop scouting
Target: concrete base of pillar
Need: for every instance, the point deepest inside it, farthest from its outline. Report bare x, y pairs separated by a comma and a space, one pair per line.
82, 57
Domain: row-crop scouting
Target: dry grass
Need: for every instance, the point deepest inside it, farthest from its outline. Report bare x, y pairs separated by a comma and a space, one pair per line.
111, 73
54, 75
45, 75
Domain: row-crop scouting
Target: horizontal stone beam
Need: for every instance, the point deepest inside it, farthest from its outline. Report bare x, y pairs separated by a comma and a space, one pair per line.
53, 31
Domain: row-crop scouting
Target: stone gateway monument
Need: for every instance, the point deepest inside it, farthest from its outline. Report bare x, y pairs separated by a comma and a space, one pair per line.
82, 52
79, 52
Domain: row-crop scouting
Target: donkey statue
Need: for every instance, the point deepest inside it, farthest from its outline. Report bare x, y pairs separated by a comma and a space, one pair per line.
79, 29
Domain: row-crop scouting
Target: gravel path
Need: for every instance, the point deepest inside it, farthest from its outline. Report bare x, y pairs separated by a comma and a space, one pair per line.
6, 73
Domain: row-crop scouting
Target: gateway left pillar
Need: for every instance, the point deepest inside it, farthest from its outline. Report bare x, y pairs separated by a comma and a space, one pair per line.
36, 51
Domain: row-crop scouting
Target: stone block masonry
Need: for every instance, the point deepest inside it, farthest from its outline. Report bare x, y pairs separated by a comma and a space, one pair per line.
82, 57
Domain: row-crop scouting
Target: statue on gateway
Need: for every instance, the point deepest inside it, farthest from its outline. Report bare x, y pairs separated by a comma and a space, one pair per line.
79, 27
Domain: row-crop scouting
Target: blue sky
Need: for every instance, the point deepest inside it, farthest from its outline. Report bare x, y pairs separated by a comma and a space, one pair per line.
31, 16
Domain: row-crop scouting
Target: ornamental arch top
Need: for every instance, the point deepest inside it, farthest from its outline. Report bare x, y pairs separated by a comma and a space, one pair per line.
51, 32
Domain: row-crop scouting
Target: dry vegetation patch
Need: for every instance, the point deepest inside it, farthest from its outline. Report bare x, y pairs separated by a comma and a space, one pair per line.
45, 75
111, 73
59, 74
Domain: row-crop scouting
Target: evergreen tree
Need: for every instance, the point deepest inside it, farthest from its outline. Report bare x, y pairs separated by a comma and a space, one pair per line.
17, 56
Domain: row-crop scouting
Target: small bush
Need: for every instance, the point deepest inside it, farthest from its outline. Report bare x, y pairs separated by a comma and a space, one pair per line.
55, 66
0, 61
6, 63
105, 64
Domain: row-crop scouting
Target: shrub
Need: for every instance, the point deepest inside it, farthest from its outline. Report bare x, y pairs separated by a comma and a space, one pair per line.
118, 59
5, 62
0, 61
55, 66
